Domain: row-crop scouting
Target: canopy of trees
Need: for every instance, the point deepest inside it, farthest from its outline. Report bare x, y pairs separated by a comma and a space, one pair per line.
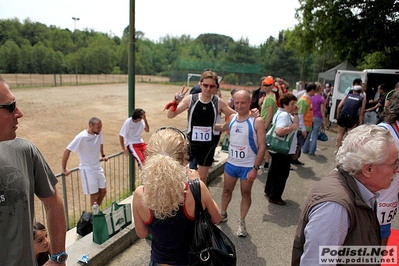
365, 32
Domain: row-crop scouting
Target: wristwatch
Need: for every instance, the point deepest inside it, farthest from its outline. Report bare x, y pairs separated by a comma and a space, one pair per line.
59, 258
256, 167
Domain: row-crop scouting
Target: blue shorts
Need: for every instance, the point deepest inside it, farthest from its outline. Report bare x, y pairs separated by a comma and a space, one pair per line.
237, 171
385, 230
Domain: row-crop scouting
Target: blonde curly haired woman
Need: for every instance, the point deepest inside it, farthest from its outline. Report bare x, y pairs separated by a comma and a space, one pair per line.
164, 205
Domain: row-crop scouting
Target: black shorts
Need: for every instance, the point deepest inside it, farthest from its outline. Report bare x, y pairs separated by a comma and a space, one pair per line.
347, 121
204, 154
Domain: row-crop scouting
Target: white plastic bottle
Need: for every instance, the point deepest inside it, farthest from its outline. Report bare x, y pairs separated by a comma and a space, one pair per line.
96, 208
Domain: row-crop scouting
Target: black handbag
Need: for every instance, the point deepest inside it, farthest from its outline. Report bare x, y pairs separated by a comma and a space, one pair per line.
209, 245
85, 224
322, 135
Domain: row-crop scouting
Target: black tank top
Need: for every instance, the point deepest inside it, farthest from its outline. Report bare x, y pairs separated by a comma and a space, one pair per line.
201, 120
352, 104
171, 237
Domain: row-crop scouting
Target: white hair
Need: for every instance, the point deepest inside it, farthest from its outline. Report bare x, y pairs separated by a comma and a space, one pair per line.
366, 144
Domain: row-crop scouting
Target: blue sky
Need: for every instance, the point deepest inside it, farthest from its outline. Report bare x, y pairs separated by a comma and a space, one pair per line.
252, 19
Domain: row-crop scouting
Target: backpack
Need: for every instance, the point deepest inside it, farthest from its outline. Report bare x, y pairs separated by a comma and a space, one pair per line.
85, 224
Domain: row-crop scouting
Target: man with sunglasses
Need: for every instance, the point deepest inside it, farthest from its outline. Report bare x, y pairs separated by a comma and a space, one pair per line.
23, 173
203, 109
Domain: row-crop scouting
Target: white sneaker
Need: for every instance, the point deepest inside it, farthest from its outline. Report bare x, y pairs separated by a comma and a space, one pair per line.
224, 218
242, 230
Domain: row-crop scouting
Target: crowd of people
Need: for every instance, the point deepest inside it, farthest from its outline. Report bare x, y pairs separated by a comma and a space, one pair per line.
358, 190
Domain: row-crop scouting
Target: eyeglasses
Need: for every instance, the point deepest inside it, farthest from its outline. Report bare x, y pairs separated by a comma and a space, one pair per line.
267, 85
174, 129
11, 107
211, 86
395, 165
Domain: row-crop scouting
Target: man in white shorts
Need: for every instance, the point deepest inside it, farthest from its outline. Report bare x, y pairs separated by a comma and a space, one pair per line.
246, 151
89, 145
130, 136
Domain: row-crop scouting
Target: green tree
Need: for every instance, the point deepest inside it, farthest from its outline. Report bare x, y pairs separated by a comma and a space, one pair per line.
240, 52
9, 57
98, 57
10, 29
61, 40
351, 29
43, 59
215, 42
35, 32
25, 61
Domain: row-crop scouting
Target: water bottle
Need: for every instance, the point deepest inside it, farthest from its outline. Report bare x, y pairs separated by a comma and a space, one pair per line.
96, 208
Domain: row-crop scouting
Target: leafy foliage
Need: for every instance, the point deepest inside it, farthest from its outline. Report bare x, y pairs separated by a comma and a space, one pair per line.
329, 31
352, 29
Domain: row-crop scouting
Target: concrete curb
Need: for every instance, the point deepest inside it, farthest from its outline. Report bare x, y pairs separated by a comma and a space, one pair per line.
101, 254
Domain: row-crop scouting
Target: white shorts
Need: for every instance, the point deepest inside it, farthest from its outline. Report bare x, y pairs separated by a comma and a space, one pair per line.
92, 180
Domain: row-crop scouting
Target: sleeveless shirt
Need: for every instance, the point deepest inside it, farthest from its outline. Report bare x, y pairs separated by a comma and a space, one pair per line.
201, 120
243, 142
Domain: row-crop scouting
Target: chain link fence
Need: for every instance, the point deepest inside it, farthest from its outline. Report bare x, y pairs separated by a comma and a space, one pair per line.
53, 80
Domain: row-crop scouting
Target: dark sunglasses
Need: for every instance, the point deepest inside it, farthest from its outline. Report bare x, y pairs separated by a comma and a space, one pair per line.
174, 129
211, 86
267, 85
11, 107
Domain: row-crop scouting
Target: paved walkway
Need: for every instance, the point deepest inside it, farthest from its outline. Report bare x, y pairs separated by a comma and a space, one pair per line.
271, 228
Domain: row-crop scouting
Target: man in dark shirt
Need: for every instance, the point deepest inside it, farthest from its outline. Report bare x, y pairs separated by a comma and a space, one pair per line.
257, 95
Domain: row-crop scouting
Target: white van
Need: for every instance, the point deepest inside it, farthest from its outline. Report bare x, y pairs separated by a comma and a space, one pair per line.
372, 77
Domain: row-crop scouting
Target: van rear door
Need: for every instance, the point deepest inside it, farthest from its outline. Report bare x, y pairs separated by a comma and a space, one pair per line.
343, 81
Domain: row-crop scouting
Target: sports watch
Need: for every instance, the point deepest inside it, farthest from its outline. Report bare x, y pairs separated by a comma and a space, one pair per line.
256, 167
59, 258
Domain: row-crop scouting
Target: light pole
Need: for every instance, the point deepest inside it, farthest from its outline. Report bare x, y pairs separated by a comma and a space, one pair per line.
76, 63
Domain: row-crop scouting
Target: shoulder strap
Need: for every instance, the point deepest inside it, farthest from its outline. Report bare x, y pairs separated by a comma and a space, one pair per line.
195, 188
274, 119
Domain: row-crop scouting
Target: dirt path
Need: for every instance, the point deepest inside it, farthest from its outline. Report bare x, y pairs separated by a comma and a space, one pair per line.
53, 116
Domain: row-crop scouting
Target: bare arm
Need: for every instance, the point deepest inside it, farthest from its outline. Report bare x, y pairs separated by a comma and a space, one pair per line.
225, 109
146, 127
122, 142
182, 106
56, 223
65, 158
141, 229
105, 158
209, 203
323, 112
373, 108
224, 126
327, 101
361, 115
286, 130
269, 116
340, 106
261, 136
